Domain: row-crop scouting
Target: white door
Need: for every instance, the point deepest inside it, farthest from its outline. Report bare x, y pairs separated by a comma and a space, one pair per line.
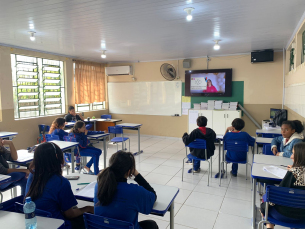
219, 122
193, 115
209, 115
230, 116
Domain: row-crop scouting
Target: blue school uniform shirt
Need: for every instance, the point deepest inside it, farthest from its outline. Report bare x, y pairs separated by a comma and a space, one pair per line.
285, 148
57, 196
61, 133
82, 139
129, 200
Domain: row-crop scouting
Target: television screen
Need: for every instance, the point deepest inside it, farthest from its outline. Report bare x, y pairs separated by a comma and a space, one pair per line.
214, 82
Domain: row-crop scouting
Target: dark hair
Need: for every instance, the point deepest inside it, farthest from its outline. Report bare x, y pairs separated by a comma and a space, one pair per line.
202, 121
77, 125
48, 161
71, 108
56, 124
238, 124
119, 165
210, 81
299, 154
295, 125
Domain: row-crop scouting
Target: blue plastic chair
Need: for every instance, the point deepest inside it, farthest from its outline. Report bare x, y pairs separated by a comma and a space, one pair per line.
9, 205
198, 144
98, 222
288, 197
50, 137
43, 128
38, 212
118, 130
106, 116
238, 147
267, 149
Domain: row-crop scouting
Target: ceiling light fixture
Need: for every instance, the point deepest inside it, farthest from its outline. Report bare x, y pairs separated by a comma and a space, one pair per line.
32, 35
216, 46
103, 54
31, 26
189, 10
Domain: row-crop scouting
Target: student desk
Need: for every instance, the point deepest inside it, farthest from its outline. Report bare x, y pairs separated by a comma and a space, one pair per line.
4, 178
275, 131
16, 220
9, 135
165, 201
271, 160
102, 124
257, 174
132, 126
263, 141
103, 138
69, 124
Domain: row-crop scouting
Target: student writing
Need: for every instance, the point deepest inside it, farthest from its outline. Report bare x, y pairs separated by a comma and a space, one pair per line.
49, 190
115, 198
291, 134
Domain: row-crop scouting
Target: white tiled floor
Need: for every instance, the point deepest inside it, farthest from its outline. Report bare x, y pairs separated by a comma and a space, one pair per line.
197, 205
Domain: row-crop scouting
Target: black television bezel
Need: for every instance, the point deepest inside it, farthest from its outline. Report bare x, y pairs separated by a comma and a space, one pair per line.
228, 87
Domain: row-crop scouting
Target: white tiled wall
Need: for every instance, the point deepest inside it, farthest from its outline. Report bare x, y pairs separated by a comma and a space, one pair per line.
295, 98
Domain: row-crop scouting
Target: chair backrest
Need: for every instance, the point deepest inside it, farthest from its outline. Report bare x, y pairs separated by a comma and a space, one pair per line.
69, 139
106, 116
43, 128
50, 137
267, 149
198, 144
236, 146
288, 197
97, 222
115, 129
9, 205
38, 212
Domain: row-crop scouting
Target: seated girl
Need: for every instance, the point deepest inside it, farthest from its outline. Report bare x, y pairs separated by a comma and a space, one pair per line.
291, 134
294, 178
49, 190
18, 176
115, 198
80, 132
57, 128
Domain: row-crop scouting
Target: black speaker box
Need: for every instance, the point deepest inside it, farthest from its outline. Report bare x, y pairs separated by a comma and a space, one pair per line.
262, 56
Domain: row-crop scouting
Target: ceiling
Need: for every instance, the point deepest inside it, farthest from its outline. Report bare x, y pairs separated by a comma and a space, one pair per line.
146, 30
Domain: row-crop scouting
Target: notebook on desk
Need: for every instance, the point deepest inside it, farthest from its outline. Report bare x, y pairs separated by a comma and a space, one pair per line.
86, 193
276, 171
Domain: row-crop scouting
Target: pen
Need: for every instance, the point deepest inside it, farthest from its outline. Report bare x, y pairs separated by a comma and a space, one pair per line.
83, 183
284, 165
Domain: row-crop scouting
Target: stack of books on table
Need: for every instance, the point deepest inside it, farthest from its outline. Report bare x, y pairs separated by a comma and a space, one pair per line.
197, 106
233, 106
225, 106
203, 106
218, 105
211, 104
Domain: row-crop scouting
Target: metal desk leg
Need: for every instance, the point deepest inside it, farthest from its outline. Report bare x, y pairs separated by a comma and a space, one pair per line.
256, 148
94, 125
14, 190
139, 150
72, 159
105, 151
123, 149
254, 204
172, 216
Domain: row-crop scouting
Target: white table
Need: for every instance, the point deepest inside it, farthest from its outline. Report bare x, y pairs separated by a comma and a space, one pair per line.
165, 195
260, 140
9, 135
4, 178
24, 158
101, 137
272, 160
16, 220
269, 131
132, 126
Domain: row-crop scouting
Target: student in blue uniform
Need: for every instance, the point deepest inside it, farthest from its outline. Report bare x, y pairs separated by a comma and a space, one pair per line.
202, 132
73, 116
80, 132
18, 176
57, 128
291, 134
115, 198
234, 133
49, 190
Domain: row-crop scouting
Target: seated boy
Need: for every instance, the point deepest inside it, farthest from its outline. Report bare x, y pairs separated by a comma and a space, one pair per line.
201, 133
73, 116
234, 133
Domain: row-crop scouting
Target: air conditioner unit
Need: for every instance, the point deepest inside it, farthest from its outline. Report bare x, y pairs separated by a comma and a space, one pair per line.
118, 70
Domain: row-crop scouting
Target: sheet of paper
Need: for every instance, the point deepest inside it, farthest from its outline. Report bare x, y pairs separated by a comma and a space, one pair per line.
193, 115
185, 111
276, 171
186, 105
87, 191
186, 99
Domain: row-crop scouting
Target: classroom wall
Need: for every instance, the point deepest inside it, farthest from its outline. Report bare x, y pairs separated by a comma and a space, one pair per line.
28, 128
258, 79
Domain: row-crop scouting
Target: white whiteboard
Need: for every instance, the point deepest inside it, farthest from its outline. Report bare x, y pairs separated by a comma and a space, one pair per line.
295, 98
146, 98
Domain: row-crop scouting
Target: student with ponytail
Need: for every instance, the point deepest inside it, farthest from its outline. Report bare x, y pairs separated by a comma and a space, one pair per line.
57, 128
115, 198
291, 134
80, 132
49, 190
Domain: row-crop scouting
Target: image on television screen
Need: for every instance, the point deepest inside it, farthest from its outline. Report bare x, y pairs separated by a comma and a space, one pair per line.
208, 82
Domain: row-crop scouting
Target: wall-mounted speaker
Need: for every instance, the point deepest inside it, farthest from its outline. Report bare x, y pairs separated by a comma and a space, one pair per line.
187, 63
262, 56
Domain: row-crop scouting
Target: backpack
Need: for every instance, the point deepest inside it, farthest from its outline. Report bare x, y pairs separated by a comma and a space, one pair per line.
279, 117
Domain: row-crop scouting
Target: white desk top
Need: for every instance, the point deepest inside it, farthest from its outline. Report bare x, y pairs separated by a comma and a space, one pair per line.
69, 124
4, 178
129, 125
258, 172
271, 160
108, 120
260, 140
219, 136
4, 134
64, 145
24, 156
91, 120
97, 136
16, 220
269, 131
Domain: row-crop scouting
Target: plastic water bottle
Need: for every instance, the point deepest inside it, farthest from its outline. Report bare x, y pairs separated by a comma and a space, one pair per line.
29, 212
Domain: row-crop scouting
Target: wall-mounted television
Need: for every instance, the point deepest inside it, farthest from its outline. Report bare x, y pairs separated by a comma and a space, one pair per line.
211, 82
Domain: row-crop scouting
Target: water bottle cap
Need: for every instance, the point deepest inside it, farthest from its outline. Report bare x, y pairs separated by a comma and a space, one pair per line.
28, 199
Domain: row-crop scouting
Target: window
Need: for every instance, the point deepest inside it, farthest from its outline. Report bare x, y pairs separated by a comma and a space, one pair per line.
90, 106
291, 63
303, 48
38, 86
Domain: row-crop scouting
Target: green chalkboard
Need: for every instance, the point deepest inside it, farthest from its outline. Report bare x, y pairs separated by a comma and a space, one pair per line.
237, 95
